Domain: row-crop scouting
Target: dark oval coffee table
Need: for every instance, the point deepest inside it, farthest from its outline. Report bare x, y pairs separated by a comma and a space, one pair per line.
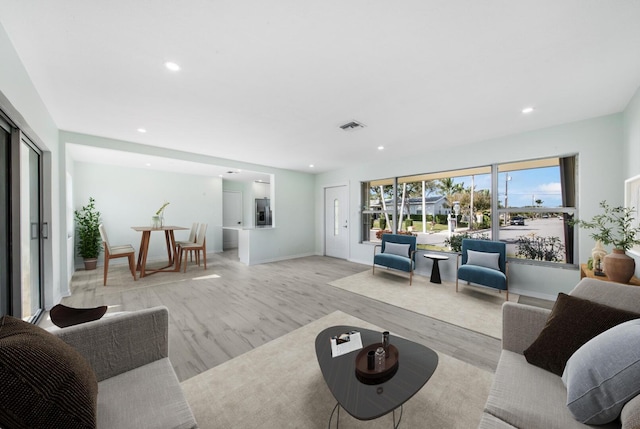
416, 365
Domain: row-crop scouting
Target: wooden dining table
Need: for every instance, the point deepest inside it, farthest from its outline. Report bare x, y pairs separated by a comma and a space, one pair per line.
173, 260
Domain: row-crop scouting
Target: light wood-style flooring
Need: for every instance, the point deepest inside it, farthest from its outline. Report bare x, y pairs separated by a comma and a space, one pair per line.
234, 308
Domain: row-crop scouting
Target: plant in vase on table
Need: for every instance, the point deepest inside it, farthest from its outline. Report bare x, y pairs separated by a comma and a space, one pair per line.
157, 220
88, 233
615, 227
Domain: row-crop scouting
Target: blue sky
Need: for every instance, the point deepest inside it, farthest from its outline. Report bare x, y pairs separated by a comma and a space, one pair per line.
524, 187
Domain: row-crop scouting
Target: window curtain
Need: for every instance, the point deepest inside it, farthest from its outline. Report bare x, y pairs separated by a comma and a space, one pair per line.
568, 179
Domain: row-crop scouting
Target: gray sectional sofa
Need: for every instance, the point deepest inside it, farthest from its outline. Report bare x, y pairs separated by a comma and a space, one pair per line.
527, 397
137, 386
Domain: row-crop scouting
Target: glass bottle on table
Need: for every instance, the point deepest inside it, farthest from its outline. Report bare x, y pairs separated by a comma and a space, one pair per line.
380, 359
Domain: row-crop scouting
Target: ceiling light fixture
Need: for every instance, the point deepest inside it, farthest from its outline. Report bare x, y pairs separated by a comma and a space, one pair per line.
311, 165
142, 130
172, 66
380, 147
527, 110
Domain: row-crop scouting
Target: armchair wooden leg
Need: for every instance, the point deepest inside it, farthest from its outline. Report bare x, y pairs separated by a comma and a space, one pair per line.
106, 269
456, 284
410, 278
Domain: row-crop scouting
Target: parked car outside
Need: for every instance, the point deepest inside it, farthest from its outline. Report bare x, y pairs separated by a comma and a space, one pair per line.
517, 220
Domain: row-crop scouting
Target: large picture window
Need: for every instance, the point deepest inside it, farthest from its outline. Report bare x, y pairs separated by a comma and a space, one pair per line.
525, 204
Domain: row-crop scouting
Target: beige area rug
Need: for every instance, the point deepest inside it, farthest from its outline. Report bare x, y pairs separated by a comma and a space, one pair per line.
475, 308
280, 385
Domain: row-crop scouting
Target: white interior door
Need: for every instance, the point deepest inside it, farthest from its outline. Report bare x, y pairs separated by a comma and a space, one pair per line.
336, 230
231, 218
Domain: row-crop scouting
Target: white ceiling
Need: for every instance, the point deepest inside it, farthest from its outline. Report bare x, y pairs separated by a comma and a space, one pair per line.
269, 82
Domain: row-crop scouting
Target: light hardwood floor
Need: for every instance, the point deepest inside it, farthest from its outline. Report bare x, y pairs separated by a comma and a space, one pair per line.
236, 308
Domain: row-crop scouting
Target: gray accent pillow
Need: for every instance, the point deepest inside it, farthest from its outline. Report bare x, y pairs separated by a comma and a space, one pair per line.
604, 374
483, 259
397, 249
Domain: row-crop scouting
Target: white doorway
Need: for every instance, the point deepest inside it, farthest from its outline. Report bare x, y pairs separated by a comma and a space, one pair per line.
336, 224
231, 218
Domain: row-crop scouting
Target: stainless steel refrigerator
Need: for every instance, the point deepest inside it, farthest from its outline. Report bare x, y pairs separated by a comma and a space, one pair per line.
263, 212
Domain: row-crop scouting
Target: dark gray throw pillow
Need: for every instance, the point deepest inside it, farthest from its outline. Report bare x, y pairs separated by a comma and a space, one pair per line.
572, 322
44, 382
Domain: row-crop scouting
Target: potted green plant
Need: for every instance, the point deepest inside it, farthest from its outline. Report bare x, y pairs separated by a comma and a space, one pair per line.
614, 227
88, 233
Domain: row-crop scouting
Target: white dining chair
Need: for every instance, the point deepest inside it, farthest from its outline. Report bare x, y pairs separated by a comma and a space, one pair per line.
190, 240
113, 252
199, 245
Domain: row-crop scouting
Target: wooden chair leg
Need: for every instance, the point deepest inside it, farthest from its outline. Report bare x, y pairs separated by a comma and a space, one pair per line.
132, 266
178, 258
204, 254
456, 284
185, 259
410, 278
106, 268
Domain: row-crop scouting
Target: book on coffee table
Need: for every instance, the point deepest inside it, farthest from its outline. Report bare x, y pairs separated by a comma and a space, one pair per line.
345, 343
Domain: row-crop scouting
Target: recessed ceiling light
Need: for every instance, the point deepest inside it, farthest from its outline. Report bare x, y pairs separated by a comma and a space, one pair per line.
311, 165
380, 147
527, 110
142, 130
172, 66
148, 164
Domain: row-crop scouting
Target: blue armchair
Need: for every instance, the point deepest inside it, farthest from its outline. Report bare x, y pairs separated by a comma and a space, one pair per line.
484, 263
398, 252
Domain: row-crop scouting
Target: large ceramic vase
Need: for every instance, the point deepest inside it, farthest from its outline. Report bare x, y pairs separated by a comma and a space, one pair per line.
619, 267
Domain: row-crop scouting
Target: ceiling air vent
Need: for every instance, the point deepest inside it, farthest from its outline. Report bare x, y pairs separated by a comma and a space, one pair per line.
353, 125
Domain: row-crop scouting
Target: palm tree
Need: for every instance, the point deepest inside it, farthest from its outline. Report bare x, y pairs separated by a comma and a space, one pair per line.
448, 189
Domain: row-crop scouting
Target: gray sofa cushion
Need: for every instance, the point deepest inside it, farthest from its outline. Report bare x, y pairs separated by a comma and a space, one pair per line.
604, 374
630, 416
608, 293
526, 396
490, 422
147, 397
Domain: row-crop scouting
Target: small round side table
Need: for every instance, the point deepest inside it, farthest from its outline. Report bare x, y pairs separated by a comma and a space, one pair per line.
435, 271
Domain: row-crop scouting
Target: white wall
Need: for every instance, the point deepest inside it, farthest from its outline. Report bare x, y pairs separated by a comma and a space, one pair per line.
128, 197
598, 142
292, 192
23, 104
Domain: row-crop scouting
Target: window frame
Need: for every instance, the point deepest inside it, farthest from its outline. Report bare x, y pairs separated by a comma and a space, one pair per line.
568, 165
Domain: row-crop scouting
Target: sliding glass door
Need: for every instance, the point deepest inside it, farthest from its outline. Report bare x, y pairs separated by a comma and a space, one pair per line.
5, 218
30, 230
21, 227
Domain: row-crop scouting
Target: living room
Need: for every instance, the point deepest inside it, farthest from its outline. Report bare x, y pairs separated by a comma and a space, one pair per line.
604, 135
